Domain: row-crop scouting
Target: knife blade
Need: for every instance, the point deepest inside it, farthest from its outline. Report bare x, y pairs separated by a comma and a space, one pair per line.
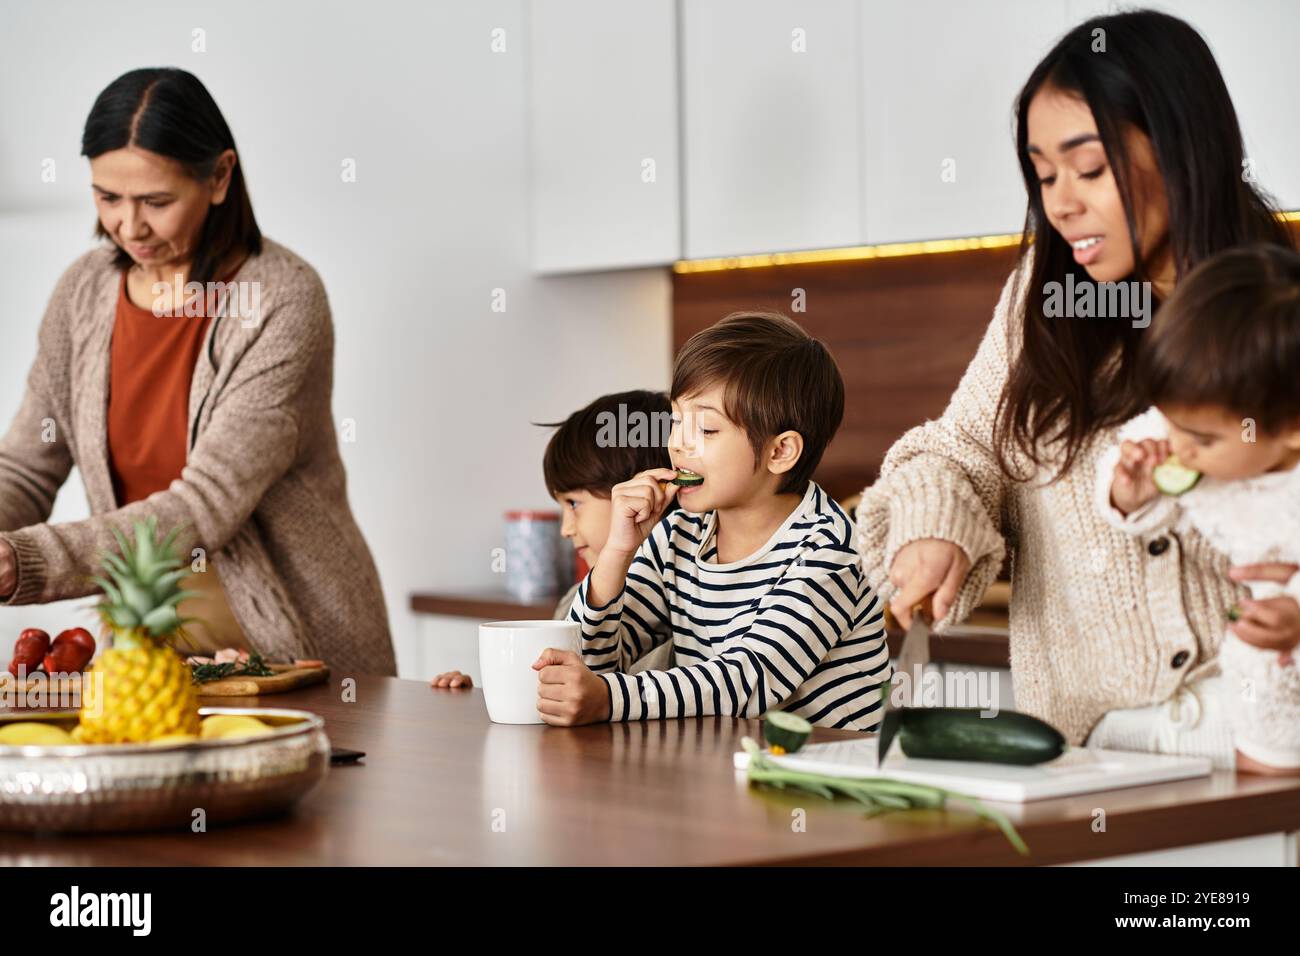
914, 653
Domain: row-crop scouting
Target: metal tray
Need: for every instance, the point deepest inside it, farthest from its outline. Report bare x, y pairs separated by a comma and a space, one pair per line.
142, 787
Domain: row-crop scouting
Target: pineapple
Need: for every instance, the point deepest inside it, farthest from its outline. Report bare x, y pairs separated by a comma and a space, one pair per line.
140, 689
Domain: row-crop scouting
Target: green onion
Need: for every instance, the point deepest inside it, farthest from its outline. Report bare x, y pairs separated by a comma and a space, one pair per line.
253, 667
878, 794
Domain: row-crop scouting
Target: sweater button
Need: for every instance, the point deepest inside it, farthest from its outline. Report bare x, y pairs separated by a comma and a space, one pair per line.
1158, 547
1180, 658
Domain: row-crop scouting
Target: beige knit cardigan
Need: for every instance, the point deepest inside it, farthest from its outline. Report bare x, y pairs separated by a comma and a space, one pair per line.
1099, 620
263, 490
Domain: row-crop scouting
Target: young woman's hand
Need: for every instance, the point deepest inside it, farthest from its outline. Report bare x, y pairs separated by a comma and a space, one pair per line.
1274, 623
452, 679
636, 507
928, 566
1134, 483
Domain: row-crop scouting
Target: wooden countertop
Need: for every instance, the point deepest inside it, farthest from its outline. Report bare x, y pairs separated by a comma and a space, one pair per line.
496, 605
443, 785
981, 640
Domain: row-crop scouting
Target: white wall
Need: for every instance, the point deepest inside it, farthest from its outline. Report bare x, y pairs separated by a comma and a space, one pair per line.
442, 389
1254, 46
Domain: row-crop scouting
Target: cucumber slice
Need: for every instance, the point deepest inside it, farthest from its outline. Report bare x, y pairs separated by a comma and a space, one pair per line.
960, 733
685, 477
1172, 477
787, 731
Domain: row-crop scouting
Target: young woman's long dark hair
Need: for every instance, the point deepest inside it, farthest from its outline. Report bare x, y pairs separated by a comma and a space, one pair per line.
1158, 76
169, 112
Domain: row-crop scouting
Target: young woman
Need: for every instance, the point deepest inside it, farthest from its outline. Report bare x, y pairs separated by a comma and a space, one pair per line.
213, 421
1133, 161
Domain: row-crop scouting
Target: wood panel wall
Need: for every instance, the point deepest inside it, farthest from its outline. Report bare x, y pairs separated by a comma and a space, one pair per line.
902, 331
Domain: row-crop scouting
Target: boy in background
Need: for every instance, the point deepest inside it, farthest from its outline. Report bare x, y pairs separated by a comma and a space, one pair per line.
581, 466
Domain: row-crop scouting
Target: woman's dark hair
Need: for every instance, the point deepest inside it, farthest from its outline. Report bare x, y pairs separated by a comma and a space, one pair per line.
590, 452
1155, 75
1229, 337
169, 112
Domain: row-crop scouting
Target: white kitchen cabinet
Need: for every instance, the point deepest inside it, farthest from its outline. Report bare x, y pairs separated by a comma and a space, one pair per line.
772, 157
1254, 45
775, 125
604, 149
939, 82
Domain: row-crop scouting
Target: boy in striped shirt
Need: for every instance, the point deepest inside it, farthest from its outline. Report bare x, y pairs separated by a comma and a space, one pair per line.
754, 579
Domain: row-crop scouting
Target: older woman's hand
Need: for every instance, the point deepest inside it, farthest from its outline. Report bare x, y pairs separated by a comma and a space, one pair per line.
1274, 623
8, 569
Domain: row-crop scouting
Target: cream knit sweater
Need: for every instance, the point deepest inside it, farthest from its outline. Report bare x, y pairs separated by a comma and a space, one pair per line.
1100, 619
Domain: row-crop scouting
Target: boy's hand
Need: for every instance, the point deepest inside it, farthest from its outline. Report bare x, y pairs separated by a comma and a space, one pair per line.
568, 693
636, 507
1134, 484
452, 679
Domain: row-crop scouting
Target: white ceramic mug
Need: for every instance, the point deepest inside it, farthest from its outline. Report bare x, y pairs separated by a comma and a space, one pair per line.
506, 652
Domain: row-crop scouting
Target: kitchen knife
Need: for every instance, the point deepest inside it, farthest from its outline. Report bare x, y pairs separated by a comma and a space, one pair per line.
912, 656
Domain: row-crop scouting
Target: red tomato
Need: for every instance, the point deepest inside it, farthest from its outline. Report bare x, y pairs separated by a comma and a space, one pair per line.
29, 650
70, 652
68, 659
77, 635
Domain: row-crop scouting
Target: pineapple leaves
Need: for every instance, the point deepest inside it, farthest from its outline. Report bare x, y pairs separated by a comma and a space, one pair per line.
123, 545
176, 597
115, 564
169, 542
120, 617
166, 583
141, 583
107, 586
161, 621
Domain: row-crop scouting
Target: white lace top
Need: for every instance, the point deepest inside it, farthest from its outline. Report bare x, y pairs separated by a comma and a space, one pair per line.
1252, 521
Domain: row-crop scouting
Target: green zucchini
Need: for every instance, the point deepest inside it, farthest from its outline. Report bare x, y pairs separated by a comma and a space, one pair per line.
685, 478
787, 731
1172, 477
960, 733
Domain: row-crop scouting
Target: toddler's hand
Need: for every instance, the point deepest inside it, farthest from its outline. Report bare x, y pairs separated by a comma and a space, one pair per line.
1134, 484
1271, 623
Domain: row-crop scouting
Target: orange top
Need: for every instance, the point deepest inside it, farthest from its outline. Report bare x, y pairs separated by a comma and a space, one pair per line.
151, 366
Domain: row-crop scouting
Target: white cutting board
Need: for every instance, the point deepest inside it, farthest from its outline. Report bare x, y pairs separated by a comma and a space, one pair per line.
1078, 770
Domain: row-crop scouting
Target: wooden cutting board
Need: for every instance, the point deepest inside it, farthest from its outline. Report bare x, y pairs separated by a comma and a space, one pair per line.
286, 677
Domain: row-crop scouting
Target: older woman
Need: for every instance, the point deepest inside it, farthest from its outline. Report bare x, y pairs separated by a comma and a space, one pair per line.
209, 412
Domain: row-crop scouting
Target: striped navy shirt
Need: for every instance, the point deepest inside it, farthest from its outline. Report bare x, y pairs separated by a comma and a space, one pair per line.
793, 626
